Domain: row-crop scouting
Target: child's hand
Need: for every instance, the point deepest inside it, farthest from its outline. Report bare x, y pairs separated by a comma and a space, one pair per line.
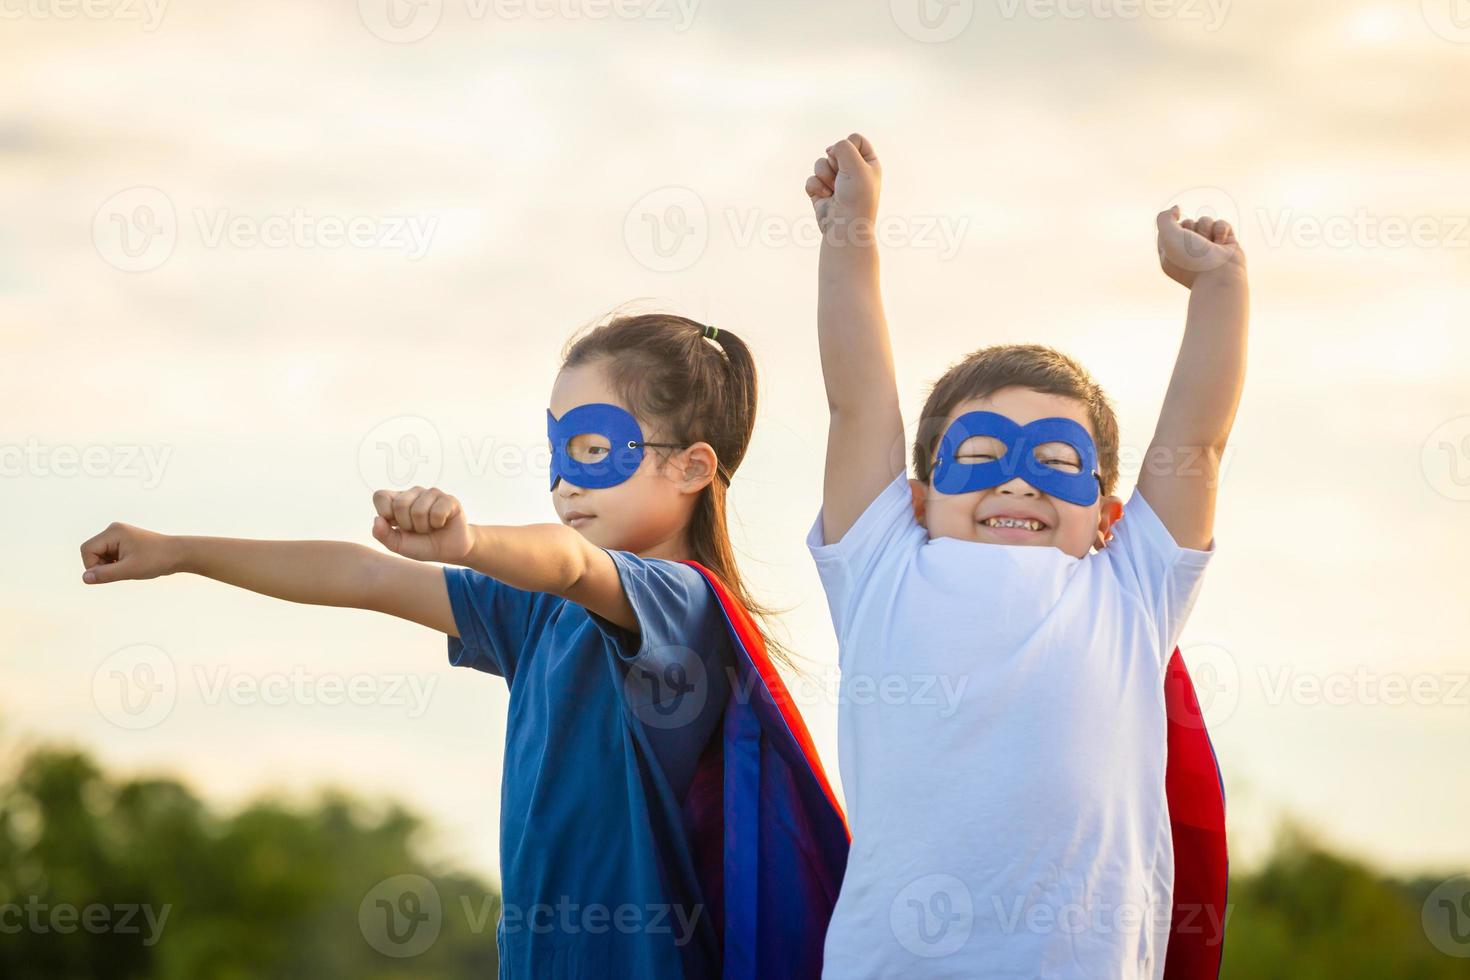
1194, 247
844, 185
426, 525
125, 552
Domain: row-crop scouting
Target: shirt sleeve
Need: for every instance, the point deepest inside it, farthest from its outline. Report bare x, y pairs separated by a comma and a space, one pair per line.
494, 621
860, 562
674, 670
1150, 564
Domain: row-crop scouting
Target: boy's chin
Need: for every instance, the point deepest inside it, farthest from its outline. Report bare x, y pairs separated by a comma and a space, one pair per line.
1015, 536
962, 530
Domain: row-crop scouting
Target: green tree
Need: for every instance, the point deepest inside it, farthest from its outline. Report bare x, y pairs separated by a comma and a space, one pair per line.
1309, 914
105, 879
177, 891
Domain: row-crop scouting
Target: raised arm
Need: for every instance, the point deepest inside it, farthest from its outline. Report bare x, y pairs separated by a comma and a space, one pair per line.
865, 440
1181, 472
322, 573
430, 525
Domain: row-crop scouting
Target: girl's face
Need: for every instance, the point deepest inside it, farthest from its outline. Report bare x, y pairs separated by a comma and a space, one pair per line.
646, 514
971, 516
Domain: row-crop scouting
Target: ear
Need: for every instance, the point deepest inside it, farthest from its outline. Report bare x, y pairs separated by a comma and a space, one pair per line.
696, 467
1110, 513
920, 493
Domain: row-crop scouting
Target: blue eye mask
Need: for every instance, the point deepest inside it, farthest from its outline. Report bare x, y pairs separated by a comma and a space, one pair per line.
601, 468
953, 476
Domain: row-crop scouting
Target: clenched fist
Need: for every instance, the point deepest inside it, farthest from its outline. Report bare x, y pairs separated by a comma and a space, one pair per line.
1190, 248
844, 188
426, 525
123, 552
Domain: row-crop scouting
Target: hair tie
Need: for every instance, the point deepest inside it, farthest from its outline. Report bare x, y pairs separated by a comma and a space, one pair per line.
712, 332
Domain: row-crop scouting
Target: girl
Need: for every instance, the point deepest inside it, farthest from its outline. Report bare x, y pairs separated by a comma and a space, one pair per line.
663, 813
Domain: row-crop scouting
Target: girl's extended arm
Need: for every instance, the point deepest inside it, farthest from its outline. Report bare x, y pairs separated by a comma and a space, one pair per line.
422, 525
865, 435
323, 573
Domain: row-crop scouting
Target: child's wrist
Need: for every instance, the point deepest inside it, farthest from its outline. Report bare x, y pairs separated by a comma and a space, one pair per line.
1231, 275
182, 551
849, 260
474, 556
856, 233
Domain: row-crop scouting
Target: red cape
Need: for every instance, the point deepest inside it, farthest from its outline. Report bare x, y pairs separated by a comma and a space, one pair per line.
1197, 812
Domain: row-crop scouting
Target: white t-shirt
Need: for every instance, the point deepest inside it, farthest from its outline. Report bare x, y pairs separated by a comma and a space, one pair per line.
1002, 744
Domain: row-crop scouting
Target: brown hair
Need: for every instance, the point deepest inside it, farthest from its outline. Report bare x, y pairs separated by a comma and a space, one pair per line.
699, 388
1032, 366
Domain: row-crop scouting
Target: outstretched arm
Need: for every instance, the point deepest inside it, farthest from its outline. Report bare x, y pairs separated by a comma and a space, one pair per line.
865, 443
322, 573
430, 525
421, 525
1182, 469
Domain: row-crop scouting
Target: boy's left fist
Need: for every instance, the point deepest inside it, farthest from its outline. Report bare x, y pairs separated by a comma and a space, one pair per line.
1193, 247
426, 525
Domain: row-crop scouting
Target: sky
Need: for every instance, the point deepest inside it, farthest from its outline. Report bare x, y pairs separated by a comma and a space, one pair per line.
259, 260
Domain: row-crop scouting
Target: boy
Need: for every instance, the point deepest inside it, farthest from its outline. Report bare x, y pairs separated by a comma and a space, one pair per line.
1023, 830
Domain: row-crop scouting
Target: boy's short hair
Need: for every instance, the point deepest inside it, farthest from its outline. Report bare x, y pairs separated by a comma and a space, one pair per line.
1031, 366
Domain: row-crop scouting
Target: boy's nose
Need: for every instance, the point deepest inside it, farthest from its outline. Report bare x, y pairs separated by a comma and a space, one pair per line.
1018, 487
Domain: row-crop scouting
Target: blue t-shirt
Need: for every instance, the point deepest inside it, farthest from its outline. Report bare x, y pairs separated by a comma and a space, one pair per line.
603, 739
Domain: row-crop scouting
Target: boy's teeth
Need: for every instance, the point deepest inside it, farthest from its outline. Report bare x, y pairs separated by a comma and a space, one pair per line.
1012, 522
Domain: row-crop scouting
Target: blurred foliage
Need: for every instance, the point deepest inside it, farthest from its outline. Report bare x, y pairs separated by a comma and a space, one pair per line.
1309, 914
176, 892
282, 892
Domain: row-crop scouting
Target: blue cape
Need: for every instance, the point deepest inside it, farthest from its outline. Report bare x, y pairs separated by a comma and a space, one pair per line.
769, 837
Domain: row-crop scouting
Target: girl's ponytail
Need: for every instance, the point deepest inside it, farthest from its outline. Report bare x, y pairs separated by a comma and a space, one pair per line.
743, 388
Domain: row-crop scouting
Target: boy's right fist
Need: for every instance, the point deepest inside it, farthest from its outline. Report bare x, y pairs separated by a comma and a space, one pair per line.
426, 525
123, 552
844, 187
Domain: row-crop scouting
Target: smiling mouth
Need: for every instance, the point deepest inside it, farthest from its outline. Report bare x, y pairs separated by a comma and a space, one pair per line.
1021, 525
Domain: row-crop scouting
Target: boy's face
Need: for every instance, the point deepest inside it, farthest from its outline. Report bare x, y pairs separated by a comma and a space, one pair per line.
970, 516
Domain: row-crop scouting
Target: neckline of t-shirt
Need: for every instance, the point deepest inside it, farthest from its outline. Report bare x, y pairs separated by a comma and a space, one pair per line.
1008, 547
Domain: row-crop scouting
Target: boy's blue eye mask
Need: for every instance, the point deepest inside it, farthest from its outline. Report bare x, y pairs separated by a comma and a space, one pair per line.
602, 469
952, 476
